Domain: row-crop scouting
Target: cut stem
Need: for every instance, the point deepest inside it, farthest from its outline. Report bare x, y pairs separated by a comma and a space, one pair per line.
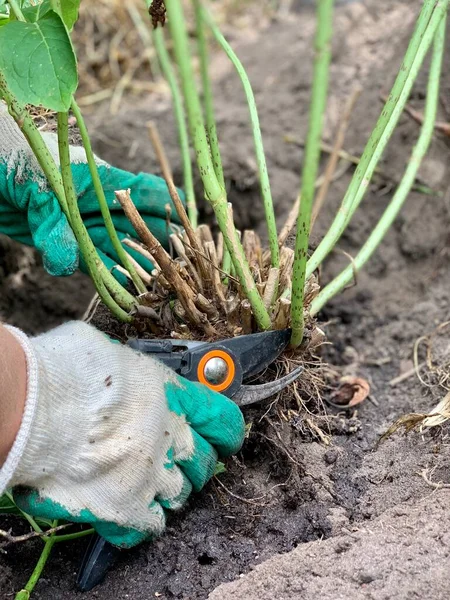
428, 21
104, 208
184, 292
180, 117
405, 186
311, 162
257, 138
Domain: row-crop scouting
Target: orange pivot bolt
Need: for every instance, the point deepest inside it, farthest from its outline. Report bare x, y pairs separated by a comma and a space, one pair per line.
216, 370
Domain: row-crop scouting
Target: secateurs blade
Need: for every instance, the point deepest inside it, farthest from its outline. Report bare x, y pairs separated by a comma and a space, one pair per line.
222, 366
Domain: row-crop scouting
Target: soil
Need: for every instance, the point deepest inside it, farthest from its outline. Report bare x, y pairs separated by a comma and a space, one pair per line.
356, 519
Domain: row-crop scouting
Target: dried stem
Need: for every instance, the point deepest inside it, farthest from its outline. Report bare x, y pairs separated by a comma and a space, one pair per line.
334, 156
185, 294
167, 174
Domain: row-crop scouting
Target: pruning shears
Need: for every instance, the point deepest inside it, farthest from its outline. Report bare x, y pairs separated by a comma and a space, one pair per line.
223, 366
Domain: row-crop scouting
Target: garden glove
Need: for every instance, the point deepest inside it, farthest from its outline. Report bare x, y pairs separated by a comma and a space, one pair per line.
31, 214
111, 437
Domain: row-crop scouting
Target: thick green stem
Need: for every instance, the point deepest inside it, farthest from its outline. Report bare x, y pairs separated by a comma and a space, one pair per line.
169, 74
87, 248
16, 10
257, 138
214, 191
405, 186
211, 128
311, 161
36, 142
25, 593
104, 208
53, 175
427, 23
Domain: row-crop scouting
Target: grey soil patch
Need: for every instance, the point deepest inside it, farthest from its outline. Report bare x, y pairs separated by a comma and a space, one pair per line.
343, 492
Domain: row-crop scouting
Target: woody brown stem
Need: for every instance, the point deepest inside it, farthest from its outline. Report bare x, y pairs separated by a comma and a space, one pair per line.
185, 294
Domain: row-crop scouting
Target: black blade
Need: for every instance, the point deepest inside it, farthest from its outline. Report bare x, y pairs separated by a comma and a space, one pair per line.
99, 558
251, 394
258, 350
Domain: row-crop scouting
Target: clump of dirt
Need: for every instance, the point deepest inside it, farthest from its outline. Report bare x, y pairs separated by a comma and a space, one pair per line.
306, 487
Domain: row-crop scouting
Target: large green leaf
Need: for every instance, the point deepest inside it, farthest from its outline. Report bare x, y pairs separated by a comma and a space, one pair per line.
38, 62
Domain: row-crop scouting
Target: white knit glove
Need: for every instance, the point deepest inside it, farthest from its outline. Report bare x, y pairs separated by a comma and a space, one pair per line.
112, 437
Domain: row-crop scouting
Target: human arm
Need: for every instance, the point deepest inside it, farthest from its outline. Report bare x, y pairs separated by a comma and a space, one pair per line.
13, 384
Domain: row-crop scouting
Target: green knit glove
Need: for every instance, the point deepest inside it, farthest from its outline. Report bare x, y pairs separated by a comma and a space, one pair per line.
30, 212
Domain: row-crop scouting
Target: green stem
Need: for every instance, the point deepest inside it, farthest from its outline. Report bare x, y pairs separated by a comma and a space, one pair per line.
169, 74
257, 138
53, 175
427, 23
226, 264
211, 128
17, 11
87, 248
37, 144
405, 186
73, 536
25, 515
214, 191
311, 161
25, 593
104, 208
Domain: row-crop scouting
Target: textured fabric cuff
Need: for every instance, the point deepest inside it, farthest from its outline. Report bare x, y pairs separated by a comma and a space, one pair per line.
20, 443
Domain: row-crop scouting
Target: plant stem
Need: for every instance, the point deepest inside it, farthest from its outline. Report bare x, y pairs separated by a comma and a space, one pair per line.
24, 594
68, 537
53, 175
87, 248
214, 191
427, 23
104, 208
17, 11
406, 184
211, 128
311, 162
180, 117
37, 144
257, 138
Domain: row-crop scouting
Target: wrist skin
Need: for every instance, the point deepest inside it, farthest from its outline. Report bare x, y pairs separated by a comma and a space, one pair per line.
13, 390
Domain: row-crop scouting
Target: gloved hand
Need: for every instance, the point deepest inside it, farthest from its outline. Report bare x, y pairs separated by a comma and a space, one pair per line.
30, 212
112, 437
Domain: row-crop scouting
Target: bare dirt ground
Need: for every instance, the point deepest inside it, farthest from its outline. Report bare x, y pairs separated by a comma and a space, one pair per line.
349, 519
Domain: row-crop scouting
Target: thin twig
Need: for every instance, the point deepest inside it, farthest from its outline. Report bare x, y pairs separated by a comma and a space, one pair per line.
167, 174
16, 539
334, 156
436, 485
418, 116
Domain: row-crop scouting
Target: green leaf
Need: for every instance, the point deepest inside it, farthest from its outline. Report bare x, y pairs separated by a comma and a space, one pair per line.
37, 11
68, 10
220, 468
38, 62
8, 506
